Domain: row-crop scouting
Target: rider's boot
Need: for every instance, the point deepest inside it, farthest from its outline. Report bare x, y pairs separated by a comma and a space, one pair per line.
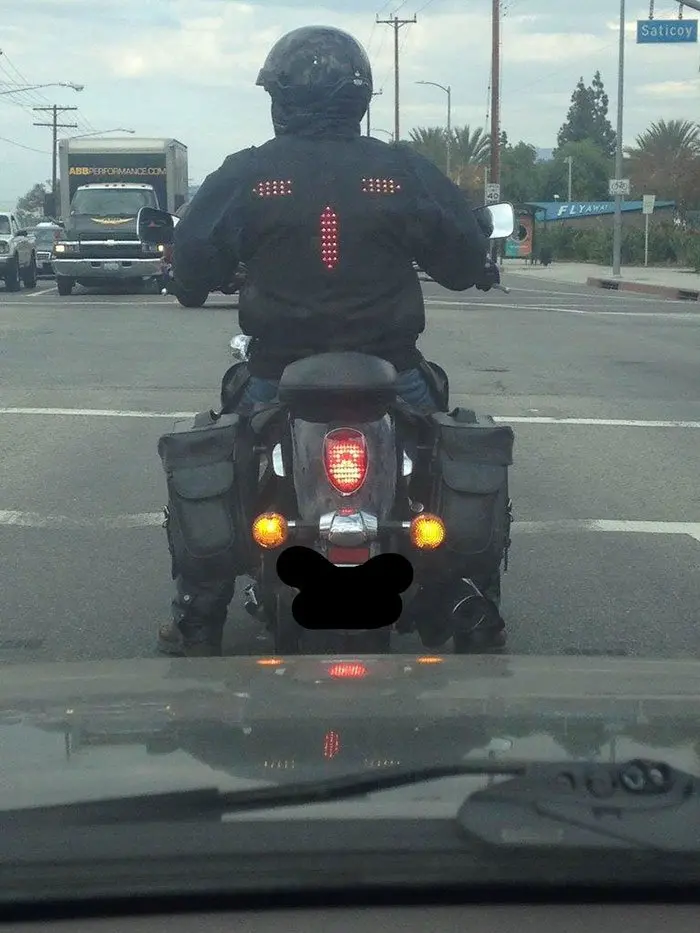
198, 619
467, 613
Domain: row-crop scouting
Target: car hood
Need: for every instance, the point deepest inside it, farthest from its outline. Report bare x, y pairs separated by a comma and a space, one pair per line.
102, 228
77, 731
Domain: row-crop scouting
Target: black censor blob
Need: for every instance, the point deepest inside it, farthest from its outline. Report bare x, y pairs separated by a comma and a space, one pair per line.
330, 597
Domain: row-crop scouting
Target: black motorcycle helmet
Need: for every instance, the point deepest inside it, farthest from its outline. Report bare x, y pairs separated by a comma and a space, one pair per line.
320, 81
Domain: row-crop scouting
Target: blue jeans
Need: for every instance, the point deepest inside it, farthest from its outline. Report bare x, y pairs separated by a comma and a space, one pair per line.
411, 386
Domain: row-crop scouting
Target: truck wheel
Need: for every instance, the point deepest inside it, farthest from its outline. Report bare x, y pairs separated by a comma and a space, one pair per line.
192, 299
29, 277
12, 281
64, 285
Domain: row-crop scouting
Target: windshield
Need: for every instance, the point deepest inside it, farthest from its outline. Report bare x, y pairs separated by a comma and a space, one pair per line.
45, 239
105, 201
374, 446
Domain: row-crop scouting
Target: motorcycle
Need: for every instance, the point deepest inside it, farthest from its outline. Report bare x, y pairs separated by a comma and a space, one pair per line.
339, 465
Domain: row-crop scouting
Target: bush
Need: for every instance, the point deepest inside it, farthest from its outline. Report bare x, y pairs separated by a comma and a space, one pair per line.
667, 244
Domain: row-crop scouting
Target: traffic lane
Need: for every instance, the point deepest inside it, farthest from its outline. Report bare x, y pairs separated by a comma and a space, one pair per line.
529, 289
91, 595
151, 354
118, 352
631, 594
569, 364
81, 466
627, 474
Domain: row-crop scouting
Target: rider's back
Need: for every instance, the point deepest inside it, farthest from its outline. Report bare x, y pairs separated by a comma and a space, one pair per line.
327, 221
329, 255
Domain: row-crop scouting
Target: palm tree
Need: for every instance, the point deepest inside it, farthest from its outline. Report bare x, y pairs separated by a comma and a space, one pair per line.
666, 161
431, 142
469, 154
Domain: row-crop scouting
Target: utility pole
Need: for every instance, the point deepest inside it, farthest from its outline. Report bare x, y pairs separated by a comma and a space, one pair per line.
617, 220
495, 172
397, 24
369, 106
54, 125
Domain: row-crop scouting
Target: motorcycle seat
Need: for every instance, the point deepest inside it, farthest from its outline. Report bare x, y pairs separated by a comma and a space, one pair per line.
332, 386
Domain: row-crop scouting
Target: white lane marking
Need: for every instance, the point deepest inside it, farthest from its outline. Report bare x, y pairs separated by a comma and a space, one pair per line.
487, 305
508, 419
36, 520
19, 519
594, 294
40, 293
96, 413
599, 422
692, 529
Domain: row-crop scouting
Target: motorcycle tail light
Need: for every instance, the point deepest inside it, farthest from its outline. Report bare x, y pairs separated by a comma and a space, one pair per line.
347, 670
427, 532
345, 459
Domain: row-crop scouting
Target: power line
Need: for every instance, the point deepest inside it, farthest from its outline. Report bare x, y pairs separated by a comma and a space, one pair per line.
396, 24
12, 142
55, 126
33, 96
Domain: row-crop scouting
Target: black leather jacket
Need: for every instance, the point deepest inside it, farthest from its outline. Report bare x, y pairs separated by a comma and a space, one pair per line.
328, 223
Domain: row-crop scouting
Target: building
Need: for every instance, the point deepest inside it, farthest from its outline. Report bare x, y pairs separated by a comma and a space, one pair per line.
597, 213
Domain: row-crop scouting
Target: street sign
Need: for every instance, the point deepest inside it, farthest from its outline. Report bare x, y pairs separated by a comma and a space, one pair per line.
648, 203
664, 31
619, 186
493, 193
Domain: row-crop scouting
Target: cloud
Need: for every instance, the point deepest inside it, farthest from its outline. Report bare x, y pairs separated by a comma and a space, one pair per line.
187, 68
673, 89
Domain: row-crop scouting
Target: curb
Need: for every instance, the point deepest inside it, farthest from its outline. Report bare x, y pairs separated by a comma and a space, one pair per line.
663, 291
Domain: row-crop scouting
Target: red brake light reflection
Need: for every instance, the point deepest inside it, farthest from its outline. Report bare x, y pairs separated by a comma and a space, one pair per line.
347, 670
345, 459
331, 744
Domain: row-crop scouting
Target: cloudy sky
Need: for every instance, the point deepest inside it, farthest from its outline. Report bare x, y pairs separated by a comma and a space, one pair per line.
186, 68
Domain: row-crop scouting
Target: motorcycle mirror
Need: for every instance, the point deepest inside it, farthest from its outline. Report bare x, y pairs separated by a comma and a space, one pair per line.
503, 220
157, 228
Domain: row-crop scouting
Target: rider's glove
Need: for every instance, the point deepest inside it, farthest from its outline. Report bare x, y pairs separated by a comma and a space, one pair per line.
491, 277
483, 218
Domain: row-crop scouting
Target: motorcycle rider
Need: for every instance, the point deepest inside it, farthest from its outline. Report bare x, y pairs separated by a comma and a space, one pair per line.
327, 222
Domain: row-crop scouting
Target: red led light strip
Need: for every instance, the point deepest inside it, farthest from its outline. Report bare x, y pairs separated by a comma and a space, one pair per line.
273, 187
380, 186
329, 238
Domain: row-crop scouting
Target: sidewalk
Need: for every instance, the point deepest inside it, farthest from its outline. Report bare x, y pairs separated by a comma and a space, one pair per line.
674, 283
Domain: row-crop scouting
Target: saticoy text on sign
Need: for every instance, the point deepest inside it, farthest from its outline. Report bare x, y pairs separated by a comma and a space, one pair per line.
660, 31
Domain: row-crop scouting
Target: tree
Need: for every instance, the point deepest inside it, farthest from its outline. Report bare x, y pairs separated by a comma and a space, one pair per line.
666, 162
522, 177
469, 152
590, 172
31, 205
431, 142
587, 118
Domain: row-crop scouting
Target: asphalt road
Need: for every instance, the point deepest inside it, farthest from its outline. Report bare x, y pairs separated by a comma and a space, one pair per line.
603, 390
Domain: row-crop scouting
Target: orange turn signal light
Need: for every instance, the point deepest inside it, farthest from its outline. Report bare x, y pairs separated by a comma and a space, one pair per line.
429, 659
427, 532
270, 662
270, 530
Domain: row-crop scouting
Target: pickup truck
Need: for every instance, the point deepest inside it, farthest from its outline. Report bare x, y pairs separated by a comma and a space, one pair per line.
17, 254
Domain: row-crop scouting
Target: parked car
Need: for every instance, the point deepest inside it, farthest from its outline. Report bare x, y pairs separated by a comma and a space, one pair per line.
17, 254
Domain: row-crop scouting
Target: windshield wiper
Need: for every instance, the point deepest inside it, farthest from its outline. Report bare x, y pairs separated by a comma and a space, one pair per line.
209, 802
543, 805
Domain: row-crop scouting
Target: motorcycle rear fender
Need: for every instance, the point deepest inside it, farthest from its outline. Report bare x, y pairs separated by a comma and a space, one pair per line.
316, 496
